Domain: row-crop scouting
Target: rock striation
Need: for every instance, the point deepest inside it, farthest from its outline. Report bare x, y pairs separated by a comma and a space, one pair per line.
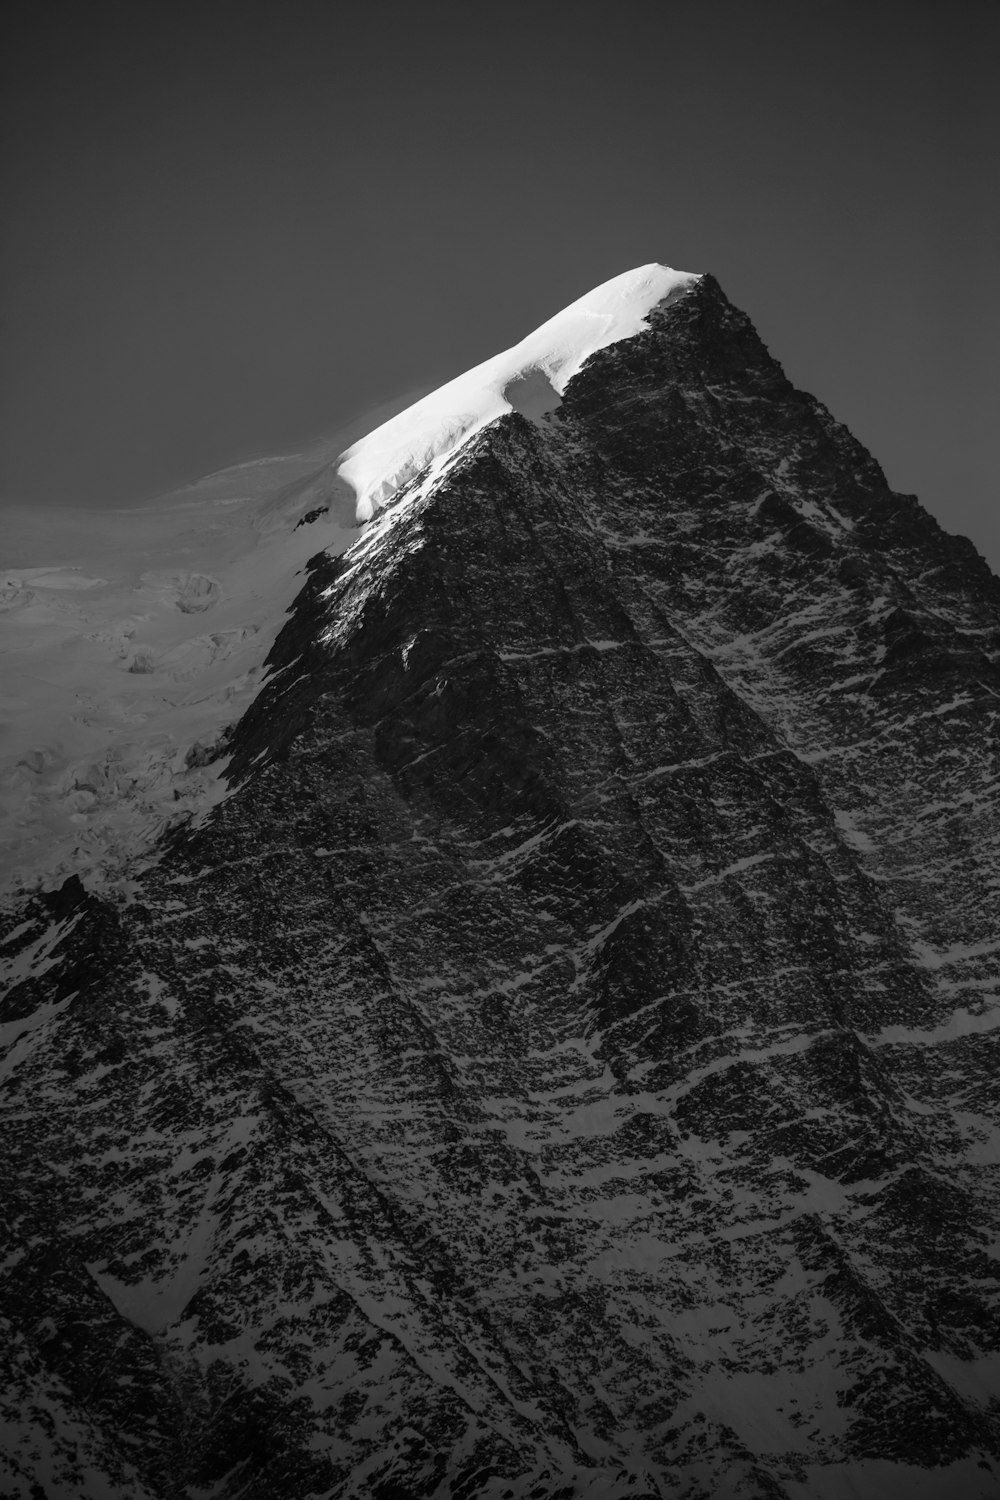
566, 1065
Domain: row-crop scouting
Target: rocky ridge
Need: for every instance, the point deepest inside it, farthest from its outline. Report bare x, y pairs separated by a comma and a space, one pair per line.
566, 1064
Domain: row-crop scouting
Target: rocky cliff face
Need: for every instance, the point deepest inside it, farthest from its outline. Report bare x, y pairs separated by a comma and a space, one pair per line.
566, 1065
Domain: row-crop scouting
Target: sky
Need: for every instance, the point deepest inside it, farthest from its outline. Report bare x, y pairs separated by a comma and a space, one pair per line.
231, 228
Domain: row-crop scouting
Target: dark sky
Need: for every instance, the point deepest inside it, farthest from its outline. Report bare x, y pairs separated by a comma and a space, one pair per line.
232, 227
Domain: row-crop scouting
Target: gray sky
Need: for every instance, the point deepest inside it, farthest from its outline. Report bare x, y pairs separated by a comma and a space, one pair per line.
231, 227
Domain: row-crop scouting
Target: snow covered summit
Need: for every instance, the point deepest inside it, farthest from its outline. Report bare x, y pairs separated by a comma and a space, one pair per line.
529, 378
132, 642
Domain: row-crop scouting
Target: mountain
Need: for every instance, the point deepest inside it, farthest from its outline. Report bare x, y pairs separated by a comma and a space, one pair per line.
564, 1064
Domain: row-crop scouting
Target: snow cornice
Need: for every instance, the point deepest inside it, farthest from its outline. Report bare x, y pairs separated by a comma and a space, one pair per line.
530, 378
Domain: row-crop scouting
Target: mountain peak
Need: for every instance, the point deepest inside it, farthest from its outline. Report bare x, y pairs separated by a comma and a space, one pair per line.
564, 1062
530, 377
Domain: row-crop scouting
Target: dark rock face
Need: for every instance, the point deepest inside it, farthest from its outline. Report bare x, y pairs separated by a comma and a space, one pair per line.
566, 1066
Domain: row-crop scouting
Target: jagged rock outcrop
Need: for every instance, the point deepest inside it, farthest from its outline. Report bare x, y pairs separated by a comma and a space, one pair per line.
567, 1064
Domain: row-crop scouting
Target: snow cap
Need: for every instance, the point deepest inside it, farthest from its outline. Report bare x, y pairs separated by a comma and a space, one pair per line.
529, 378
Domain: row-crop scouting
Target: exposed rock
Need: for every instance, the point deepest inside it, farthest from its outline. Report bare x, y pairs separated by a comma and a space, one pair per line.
312, 515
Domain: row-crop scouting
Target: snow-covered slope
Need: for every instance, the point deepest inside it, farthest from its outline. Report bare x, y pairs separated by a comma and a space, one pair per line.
129, 640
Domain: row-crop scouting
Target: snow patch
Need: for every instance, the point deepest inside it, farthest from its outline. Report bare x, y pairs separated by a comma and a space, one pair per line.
961, 1023
851, 833
943, 958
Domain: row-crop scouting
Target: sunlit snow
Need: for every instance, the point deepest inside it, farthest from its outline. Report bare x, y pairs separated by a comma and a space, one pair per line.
529, 378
